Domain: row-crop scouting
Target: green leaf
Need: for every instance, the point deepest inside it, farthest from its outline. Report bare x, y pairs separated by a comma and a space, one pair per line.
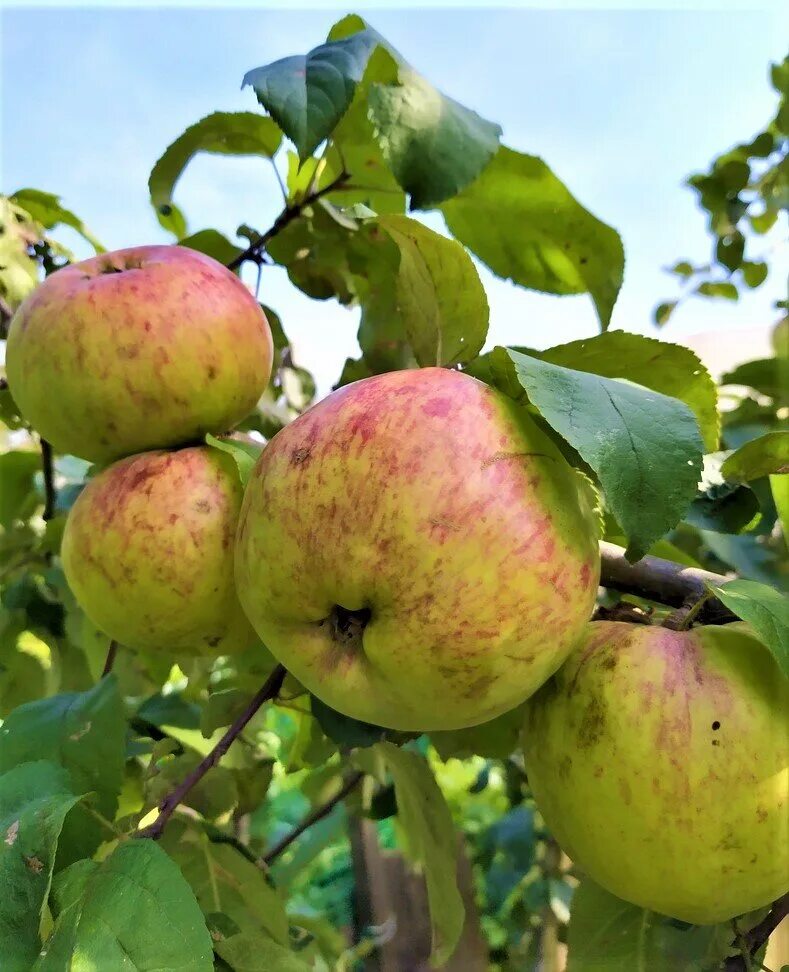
245, 453
727, 291
663, 312
45, 208
644, 446
722, 506
34, 801
754, 273
224, 880
307, 95
434, 146
496, 739
439, 294
760, 457
765, 609
770, 376
427, 823
729, 251
85, 733
18, 498
608, 933
252, 952
221, 133
666, 368
214, 244
214, 796
779, 486
522, 221
135, 911
18, 270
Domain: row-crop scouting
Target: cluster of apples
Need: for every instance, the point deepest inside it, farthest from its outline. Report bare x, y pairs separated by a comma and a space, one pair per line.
418, 553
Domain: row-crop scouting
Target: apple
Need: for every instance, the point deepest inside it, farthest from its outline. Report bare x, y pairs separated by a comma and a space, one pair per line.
148, 552
658, 759
138, 349
416, 551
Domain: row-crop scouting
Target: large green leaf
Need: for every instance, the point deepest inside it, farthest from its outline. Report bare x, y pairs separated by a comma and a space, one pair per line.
221, 133
434, 146
213, 244
522, 221
645, 447
608, 933
439, 294
770, 376
223, 880
307, 94
133, 911
252, 952
722, 506
84, 732
34, 801
666, 368
46, 209
427, 824
760, 457
765, 609
17, 495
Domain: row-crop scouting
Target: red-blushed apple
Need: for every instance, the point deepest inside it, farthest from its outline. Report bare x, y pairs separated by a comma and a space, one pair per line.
148, 552
138, 349
416, 551
659, 760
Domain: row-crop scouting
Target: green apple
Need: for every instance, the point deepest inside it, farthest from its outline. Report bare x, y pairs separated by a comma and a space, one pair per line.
658, 759
148, 552
139, 349
416, 551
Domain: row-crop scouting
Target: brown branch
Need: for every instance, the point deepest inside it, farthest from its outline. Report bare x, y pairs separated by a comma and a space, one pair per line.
285, 218
313, 817
663, 581
47, 466
267, 691
109, 661
751, 941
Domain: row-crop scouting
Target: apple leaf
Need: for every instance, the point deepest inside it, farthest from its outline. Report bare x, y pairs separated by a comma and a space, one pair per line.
522, 221
85, 733
308, 94
221, 133
34, 801
767, 455
250, 951
644, 447
770, 376
245, 453
434, 146
608, 933
46, 209
213, 244
666, 368
224, 880
765, 609
427, 824
134, 910
779, 485
439, 294
722, 506
18, 269
17, 472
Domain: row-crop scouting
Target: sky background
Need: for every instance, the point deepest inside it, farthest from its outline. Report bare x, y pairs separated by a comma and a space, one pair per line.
622, 104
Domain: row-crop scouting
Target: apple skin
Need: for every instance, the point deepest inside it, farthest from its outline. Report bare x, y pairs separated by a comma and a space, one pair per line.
148, 552
658, 759
143, 348
436, 508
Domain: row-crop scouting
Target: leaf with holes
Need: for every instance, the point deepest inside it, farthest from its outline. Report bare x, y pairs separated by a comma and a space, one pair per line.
134, 910
308, 94
221, 133
522, 221
439, 294
644, 447
34, 801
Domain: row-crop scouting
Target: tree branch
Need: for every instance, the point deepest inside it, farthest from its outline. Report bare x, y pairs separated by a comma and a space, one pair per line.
663, 581
267, 691
47, 466
285, 218
313, 817
751, 941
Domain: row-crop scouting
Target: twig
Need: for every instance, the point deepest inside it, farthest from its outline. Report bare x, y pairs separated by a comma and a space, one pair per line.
751, 941
279, 179
50, 496
167, 807
313, 817
684, 616
285, 218
109, 661
664, 581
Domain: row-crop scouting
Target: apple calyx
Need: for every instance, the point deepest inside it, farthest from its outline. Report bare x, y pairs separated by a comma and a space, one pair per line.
347, 627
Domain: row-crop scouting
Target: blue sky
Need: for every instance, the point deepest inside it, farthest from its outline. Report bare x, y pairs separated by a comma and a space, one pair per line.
622, 104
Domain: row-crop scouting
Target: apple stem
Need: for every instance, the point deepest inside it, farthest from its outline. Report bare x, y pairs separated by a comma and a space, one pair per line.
318, 813
109, 661
48, 468
268, 691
